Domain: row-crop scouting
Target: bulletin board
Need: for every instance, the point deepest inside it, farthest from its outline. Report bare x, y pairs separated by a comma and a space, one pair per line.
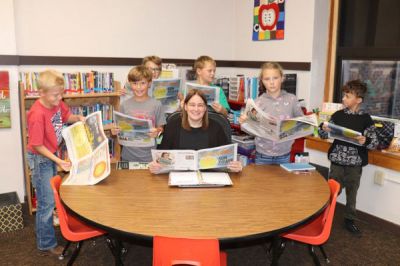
268, 20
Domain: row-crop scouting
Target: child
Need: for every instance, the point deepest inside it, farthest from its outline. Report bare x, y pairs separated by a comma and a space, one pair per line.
140, 105
278, 103
348, 159
45, 120
205, 67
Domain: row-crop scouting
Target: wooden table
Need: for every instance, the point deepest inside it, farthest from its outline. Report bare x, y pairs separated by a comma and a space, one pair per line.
263, 201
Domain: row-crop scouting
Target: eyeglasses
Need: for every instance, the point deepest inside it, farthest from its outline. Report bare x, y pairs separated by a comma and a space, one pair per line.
193, 105
155, 69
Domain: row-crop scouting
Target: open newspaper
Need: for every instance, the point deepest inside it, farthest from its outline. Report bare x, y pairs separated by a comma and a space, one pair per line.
87, 147
199, 179
343, 133
166, 91
266, 126
191, 160
133, 131
211, 93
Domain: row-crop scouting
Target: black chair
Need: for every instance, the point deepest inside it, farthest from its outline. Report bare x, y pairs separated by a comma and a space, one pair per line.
220, 119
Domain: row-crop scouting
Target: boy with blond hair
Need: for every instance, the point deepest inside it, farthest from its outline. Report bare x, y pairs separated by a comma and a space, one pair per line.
141, 105
45, 120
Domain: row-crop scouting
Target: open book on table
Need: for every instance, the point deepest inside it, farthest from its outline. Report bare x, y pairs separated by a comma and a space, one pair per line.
191, 160
133, 131
87, 147
166, 91
266, 126
343, 133
210, 92
199, 179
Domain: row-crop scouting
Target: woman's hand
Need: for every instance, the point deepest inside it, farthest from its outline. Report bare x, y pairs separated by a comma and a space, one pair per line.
235, 166
115, 130
154, 167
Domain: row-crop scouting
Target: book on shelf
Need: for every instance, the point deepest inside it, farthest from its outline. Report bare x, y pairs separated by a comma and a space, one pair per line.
88, 151
297, 167
166, 91
191, 160
263, 125
343, 133
210, 92
133, 131
199, 179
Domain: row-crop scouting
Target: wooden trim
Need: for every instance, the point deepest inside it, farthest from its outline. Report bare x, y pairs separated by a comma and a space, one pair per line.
375, 157
126, 61
389, 53
331, 57
9, 60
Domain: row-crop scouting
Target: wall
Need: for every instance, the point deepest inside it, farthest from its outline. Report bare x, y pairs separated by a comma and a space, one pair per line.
11, 176
380, 201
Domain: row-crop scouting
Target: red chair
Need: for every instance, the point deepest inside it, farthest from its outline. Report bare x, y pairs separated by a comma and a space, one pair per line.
317, 232
169, 251
73, 229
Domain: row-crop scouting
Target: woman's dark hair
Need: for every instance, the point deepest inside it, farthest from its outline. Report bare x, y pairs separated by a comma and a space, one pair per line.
185, 118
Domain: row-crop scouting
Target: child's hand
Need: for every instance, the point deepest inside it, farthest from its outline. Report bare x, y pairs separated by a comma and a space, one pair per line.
325, 127
242, 118
123, 90
154, 167
81, 118
115, 130
217, 107
65, 165
361, 139
153, 133
235, 166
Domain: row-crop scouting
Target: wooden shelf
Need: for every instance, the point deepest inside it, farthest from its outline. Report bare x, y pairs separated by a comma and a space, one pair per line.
80, 95
375, 157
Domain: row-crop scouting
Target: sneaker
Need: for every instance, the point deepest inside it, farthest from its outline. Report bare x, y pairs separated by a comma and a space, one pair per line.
56, 252
351, 227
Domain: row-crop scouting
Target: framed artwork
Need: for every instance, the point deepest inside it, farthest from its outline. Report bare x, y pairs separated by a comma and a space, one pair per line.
268, 20
5, 119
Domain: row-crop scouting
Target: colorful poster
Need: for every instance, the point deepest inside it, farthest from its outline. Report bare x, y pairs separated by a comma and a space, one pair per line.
5, 119
268, 20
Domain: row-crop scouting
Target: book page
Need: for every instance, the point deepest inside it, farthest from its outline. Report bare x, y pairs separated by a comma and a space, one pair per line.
183, 179
133, 131
217, 157
178, 160
166, 91
342, 133
210, 92
216, 178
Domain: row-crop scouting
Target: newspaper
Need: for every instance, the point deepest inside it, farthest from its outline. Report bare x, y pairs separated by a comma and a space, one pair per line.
266, 126
343, 133
199, 179
133, 131
191, 160
166, 91
211, 93
87, 147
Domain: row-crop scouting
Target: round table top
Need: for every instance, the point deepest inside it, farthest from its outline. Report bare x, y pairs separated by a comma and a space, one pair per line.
263, 201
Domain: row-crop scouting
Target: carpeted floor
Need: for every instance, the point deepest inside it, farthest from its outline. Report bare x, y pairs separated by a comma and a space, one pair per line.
379, 245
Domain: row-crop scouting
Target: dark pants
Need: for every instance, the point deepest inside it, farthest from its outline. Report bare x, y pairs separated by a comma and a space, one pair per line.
349, 179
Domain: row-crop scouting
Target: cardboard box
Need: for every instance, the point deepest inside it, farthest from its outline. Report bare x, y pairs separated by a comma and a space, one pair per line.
10, 213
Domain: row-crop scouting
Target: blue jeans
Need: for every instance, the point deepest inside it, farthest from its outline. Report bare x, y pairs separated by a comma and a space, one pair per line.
42, 170
266, 159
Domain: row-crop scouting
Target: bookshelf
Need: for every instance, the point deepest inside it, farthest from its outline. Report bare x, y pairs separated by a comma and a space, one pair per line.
73, 100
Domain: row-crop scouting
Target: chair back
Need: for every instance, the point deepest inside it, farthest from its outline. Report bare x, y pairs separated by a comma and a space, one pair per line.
327, 216
220, 119
55, 183
168, 251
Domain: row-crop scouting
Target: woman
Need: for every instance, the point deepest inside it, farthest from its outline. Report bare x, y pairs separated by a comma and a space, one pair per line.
194, 130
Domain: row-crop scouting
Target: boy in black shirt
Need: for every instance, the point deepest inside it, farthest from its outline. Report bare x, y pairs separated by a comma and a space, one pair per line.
347, 159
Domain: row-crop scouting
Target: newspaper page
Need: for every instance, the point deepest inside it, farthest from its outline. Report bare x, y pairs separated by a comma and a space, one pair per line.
343, 133
263, 125
191, 160
166, 91
211, 93
88, 151
133, 131
199, 179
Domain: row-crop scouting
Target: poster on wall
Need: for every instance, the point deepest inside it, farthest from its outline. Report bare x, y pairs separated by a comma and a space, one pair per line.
268, 20
5, 119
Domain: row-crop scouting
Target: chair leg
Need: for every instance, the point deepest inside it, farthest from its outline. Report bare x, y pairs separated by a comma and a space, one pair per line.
312, 252
323, 253
278, 246
75, 253
64, 252
117, 250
